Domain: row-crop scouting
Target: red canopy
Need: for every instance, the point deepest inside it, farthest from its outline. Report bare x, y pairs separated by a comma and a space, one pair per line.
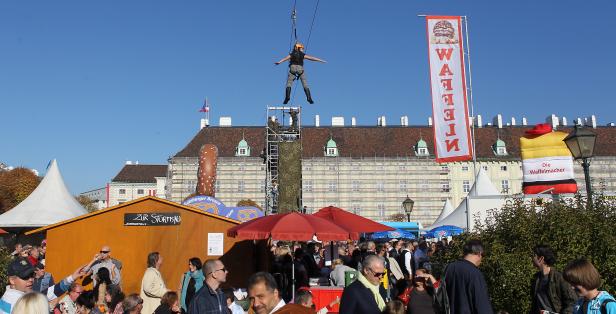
291, 226
350, 222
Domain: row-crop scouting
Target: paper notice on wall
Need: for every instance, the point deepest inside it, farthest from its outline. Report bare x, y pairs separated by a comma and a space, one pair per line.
215, 244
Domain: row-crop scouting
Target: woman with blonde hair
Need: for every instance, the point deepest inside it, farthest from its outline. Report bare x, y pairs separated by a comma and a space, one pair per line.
31, 303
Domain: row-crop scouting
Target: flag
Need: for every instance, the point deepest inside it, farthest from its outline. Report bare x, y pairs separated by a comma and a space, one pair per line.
452, 136
205, 107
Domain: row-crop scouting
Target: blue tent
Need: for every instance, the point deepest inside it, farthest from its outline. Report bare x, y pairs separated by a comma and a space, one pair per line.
394, 234
444, 231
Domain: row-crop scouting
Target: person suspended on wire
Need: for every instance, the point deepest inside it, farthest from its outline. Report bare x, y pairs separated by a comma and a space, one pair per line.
296, 70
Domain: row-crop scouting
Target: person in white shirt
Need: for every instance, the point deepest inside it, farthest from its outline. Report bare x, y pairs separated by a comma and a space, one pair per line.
338, 272
233, 307
263, 292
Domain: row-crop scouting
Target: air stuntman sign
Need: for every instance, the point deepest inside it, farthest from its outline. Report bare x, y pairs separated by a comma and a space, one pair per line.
152, 219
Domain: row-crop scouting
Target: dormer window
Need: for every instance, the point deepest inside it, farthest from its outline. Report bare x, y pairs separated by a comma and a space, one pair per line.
499, 148
242, 149
421, 149
331, 149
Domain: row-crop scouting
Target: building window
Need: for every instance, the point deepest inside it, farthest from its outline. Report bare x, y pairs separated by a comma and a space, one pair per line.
466, 186
424, 185
332, 187
262, 187
485, 168
308, 168
402, 168
355, 186
381, 209
445, 186
422, 151
242, 151
380, 167
240, 186
380, 186
242, 167
140, 191
217, 186
355, 207
122, 191
464, 168
503, 168
501, 151
403, 185
331, 151
307, 186
505, 186
356, 167
332, 168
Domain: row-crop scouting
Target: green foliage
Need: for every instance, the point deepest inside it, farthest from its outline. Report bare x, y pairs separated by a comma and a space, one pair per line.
86, 203
289, 176
570, 227
15, 186
5, 258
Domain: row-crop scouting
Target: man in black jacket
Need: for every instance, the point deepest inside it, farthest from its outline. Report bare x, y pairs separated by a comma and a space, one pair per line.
549, 290
363, 295
296, 70
210, 298
466, 288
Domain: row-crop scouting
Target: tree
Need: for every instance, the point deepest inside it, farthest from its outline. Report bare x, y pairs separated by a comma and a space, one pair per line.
397, 217
509, 235
248, 202
15, 186
86, 203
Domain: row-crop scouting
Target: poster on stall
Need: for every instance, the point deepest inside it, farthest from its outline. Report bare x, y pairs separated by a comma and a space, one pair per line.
215, 244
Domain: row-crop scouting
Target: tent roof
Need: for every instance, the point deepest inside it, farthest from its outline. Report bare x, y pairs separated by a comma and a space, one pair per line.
49, 203
483, 186
142, 199
447, 209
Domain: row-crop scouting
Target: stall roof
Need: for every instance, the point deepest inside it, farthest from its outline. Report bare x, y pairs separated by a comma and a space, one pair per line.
102, 211
402, 224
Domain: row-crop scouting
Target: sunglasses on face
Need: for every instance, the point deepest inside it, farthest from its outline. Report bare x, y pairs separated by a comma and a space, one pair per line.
26, 277
377, 274
104, 252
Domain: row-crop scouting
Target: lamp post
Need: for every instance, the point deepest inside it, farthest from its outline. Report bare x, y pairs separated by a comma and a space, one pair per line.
581, 143
407, 205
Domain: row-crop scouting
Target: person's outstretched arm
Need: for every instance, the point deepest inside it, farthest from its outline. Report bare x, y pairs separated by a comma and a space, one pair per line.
283, 60
311, 58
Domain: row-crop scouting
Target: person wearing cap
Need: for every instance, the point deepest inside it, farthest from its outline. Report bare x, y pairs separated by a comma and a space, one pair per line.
21, 275
103, 259
42, 279
296, 70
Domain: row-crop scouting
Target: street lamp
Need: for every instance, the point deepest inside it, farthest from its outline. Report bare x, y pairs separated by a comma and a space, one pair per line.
407, 205
581, 143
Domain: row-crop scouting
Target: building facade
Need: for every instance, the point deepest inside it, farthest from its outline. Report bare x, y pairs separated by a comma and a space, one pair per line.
371, 170
135, 181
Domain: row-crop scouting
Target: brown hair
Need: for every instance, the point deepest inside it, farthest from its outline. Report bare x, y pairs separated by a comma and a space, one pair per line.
581, 272
394, 307
169, 298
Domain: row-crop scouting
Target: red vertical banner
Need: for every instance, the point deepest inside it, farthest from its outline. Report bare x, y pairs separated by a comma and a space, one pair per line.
452, 134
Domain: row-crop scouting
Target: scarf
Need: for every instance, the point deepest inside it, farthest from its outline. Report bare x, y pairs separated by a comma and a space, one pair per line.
197, 275
374, 289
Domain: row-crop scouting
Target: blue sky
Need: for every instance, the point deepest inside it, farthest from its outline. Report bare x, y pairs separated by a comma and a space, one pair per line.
95, 83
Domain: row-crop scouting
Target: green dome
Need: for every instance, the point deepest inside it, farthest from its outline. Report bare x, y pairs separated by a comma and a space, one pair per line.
242, 144
500, 143
422, 144
331, 143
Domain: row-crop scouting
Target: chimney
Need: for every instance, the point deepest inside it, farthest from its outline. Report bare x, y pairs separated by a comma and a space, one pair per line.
578, 121
224, 121
429, 121
471, 121
513, 122
611, 124
524, 122
552, 120
337, 121
404, 121
128, 162
204, 123
498, 121
353, 121
381, 121
479, 121
592, 121
317, 121
563, 121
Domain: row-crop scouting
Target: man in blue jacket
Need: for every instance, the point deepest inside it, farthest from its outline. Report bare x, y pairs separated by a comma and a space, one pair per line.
466, 288
364, 294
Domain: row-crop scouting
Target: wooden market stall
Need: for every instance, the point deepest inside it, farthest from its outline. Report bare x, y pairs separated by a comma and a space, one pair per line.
136, 228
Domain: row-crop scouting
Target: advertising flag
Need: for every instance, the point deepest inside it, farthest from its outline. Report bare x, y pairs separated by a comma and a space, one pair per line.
546, 162
452, 135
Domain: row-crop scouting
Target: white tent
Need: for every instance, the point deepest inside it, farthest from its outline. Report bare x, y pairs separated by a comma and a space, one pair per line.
49, 203
447, 210
482, 198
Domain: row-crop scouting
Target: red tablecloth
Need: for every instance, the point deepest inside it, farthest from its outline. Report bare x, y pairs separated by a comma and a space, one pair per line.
323, 296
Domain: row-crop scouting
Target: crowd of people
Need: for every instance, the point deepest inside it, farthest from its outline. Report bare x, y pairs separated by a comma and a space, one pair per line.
389, 277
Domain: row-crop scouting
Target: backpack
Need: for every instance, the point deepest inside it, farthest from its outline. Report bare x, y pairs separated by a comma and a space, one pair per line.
604, 305
441, 299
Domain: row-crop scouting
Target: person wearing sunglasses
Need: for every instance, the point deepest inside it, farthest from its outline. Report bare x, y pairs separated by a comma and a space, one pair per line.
21, 276
364, 295
210, 298
103, 259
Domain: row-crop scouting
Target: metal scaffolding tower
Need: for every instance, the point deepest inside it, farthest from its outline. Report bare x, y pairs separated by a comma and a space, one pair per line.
283, 125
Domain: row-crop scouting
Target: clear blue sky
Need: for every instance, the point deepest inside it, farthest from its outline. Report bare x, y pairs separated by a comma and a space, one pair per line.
95, 83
